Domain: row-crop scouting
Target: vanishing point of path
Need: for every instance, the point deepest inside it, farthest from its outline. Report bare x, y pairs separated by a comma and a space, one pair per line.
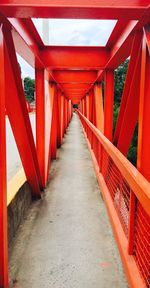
66, 240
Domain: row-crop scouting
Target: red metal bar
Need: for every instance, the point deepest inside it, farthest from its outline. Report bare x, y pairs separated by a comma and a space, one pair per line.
99, 111
131, 223
90, 106
3, 194
143, 157
59, 120
53, 140
127, 86
127, 177
108, 103
40, 121
130, 116
62, 115
87, 106
22, 128
138, 183
100, 10
50, 94
62, 57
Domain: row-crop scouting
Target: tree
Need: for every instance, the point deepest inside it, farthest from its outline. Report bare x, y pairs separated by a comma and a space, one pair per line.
29, 88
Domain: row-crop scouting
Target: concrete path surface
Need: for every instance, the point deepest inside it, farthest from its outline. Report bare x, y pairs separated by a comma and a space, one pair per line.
66, 240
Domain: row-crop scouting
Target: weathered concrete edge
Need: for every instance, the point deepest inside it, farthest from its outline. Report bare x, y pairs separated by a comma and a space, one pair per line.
19, 199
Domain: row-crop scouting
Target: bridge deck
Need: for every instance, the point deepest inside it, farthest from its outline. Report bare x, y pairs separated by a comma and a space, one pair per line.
66, 240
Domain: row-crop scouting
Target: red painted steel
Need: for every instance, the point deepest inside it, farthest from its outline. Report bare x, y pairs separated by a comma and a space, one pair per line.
3, 185
99, 110
132, 9
54, 127
124, 183
40, 121
59, 120
108, 103
22, 128
129, 87
74, 75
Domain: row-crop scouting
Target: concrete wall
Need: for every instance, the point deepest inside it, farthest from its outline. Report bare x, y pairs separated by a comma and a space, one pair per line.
17, 210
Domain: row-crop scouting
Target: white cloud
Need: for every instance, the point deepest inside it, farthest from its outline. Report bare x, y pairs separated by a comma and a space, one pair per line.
71, 32
77, 32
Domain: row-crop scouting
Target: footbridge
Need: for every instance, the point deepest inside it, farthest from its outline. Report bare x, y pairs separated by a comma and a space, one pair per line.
76, 184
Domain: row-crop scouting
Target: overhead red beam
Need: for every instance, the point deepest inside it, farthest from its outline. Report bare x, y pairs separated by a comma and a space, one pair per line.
76, 58
117, 32
75, 86
74, 76
122, 47
27, 41
104, 9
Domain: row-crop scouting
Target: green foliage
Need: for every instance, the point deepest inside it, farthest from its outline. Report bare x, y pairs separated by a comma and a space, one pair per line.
29, 88
119, 79
132, 154
120, 76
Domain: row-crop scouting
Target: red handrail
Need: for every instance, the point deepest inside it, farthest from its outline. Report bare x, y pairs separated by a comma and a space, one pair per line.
138, 183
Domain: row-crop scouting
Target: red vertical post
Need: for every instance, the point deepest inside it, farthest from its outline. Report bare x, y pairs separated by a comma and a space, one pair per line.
3, 192
59, 123
40, 121
83, 107
64, 118
93, 110
108, 103
132, 210
70, 108
99, 113
53, 141
143, 155
87, 106
65, 114
62, 115
90, 106
84, 99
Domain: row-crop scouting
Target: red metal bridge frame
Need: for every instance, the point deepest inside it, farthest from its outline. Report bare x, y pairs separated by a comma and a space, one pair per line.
60, 82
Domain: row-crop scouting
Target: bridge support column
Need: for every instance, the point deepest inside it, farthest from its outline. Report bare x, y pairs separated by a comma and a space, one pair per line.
99, 113
53, 140
108, 103
3, 192
40, 121
59, 122
90, 106
87, 105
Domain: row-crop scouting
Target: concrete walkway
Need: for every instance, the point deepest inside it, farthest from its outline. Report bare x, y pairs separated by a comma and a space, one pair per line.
66, 240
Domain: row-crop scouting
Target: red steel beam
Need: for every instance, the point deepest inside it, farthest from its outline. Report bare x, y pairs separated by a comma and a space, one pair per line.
54, 127
130, 116
108, 103
40, 121
76, 58
22, 129
129, 88
99, 111
59, 118
74, 76
143, 156
105, 9
3, 181
27, 41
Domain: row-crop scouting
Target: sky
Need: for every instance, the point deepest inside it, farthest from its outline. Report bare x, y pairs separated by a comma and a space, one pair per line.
72, 32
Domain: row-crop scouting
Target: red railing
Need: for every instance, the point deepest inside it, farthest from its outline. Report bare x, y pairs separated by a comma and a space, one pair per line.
124, 187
